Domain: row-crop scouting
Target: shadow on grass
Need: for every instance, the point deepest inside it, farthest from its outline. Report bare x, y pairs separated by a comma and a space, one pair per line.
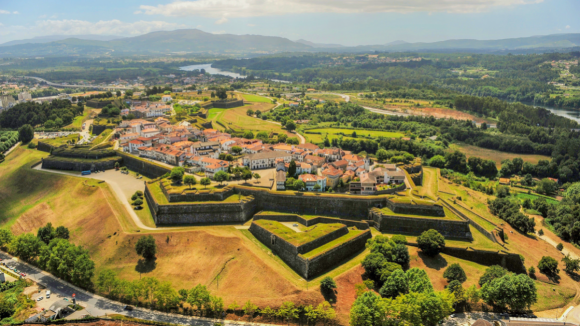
146, 265
329, 296
437, 262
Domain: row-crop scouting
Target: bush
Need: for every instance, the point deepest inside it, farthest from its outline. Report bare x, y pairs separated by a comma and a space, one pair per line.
492, 273
548, 266
455, 273
138, 202
399, 239
560, 246
327, 284
541, 232
532, 272
431, 242
31, 145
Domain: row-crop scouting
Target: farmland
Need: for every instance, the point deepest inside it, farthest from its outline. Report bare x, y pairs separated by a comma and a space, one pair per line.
347, 133
256, 98
496, 156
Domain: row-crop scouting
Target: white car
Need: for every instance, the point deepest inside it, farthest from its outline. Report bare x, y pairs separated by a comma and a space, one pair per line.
39, 299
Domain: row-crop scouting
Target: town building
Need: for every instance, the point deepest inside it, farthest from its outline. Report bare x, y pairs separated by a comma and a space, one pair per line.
265, 160
311, 180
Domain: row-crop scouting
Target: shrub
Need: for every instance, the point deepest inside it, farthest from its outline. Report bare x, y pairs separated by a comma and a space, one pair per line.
532, 272
138, 202
541, 232
399, 239
31, 145
548, 266
431, 242
492, 273
560, 246
455, 273
327, 284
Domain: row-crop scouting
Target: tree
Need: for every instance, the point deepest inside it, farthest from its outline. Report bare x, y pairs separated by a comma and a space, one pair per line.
25, 133
548, 266
437, 161
236, 150
382, 155
6, 237
387, 269
26, 246
62, 232
189, 180
401, 255
516, 292
250, 309
547, 186
316, 187
247, 175
455, 273
198, 297
368, 310
431, 242
177, 174
107, 281
560, 246
288, 311
290, 125
250, 112
457, 290
256, 176
325, 312
372, 264
221, 176
456, 161
426, 308
146, 247
263, 136
205, 182
299, 185
395, 285
222, 94
571, 265
292, 168
327, 284
418, 280
248, 135
46, 233
491, 273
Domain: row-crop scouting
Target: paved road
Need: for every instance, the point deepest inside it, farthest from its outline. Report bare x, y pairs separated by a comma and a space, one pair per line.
99, 306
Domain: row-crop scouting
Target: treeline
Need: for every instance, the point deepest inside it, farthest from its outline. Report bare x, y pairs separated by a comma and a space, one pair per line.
51, 251
7, 140
509, 211
565, 216
61, 112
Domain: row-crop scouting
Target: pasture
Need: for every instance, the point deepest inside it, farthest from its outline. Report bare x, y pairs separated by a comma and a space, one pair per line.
496, 156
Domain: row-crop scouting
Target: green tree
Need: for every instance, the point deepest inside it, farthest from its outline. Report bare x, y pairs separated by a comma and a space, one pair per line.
189, 180
62, 232
236, 150
426, 308
250, 112
221, 176
288, 311
382, 155
571, 265
548, 266
25, 133
395, 284
205, 182
247, 175
327, 284
107, 281
26, 246
248, 135
198, 297
250, 309
6, 237
290, 125
455, 273
491, 273
437, 161
46, 233
146, 247
292, 168
368, 310
515, 292
431, 242
299, 185
456, 288
325, 312
256, 176
418, 280
177, 174
387, 269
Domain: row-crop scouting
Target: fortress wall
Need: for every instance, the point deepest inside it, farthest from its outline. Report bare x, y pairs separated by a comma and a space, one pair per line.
411, 225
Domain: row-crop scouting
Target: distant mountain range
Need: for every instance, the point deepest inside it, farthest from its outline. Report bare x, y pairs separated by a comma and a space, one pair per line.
197, 41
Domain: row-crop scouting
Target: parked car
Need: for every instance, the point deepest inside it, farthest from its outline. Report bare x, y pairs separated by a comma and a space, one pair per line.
23, 274
128, 308
40, 298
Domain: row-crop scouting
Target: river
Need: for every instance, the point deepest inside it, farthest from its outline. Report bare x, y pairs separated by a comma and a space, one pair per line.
566, 113
215, 71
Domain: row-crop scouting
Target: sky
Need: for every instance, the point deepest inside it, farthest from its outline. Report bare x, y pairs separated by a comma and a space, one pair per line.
346, 22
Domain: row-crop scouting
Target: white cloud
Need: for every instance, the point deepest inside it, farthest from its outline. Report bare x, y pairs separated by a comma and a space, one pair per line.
224, 9
567, 26
252, 25
114, 27
222, 20
15, 12
4, 12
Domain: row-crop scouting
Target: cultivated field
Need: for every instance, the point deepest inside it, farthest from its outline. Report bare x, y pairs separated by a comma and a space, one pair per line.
256, 98
496, 156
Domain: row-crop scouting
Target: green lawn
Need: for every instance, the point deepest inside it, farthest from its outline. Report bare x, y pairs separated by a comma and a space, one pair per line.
214, 114
335, 132
255, 98
78, 120
101, 138
351, 234
298, 238
58, 141
533, 197
448, 215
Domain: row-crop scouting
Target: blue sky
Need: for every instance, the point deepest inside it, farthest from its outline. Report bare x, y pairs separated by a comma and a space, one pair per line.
345, 22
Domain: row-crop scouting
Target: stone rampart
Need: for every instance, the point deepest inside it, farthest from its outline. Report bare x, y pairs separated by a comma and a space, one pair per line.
44, 147
62, 163
312, 221
322, 240
336, 256
391, 191
148, 169
413, 225
473, 223
410, 209
310, 268
227, 104
282, 248
198, 195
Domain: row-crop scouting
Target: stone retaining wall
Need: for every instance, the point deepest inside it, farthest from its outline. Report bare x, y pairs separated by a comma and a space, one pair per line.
75, 165
199, 195
98, 129
310, 268
307, 247
145, 168
412, 225
478, 227
409, 209
44, 147
310, 222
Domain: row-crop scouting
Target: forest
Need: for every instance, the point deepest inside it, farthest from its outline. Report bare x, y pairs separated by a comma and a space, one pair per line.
61, 112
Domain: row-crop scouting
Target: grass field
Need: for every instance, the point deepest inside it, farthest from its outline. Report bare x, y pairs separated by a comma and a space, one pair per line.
102, 137
533, 197
255, 98
496, 156
78, 120
237, 119
214, 114
335, 133
351, 234
298, 238
58, 141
